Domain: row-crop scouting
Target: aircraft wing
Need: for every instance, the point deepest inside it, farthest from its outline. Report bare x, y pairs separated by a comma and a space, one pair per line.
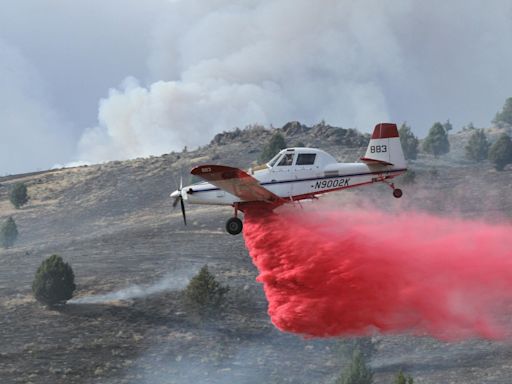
236, 182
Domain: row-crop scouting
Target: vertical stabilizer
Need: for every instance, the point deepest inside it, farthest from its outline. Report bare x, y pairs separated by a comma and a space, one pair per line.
384, 147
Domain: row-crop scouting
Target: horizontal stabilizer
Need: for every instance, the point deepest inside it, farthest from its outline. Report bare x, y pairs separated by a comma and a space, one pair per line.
375, 161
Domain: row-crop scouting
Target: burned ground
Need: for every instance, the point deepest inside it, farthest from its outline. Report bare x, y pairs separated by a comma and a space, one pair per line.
115, 225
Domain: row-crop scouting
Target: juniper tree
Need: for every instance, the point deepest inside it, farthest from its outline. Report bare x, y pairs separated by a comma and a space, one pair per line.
357, 372
54, 281
18, 195
447, 126
8, 233
436, 142
409, 142
276, 143
400, 378
500, 153
505, 116
204, 295
477, 148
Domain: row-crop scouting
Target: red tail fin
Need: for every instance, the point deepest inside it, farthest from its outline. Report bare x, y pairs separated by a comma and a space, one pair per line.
385, 131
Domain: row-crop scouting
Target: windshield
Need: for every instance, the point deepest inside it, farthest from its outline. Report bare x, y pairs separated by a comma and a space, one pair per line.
272, 162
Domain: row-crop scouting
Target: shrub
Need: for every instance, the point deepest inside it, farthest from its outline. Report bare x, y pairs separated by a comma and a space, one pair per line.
204, 295
400, 378
18, 195
447, 126
275, 144
8, 233
54, 282
436, 142
477, 148
409, 142
505, 116
357, 372
500, 153
365, 345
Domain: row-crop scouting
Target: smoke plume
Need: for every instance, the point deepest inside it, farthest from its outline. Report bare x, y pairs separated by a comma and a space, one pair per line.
218, 65
355, 272
172, 282
30, 127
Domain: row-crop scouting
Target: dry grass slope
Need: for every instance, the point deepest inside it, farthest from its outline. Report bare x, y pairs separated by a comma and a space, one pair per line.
115, 225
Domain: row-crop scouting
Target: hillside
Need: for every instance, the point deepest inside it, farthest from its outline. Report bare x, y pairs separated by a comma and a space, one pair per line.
115, 224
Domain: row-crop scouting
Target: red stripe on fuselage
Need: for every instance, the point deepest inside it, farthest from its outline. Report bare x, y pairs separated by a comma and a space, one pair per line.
312, 195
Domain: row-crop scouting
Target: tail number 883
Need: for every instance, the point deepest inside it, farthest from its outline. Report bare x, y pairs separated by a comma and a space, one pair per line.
378, 148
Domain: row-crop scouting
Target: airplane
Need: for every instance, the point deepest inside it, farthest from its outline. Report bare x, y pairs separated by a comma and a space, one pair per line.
294, 174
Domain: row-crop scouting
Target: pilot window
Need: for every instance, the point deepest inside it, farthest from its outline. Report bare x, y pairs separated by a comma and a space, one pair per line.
274, 160
306, 159
286, 160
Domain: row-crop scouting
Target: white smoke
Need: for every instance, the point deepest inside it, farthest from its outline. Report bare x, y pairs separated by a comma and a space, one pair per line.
170, 282
57, 58
195, 67
29, 126
238, 63
219, 64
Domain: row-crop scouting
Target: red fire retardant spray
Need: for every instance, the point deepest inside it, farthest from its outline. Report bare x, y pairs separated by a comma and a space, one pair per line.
358, 272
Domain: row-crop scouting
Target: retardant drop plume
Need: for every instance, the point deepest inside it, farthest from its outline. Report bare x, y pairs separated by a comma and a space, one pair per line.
332, 273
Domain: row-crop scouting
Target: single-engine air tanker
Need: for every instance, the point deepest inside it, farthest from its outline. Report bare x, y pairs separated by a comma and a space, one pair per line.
294, 174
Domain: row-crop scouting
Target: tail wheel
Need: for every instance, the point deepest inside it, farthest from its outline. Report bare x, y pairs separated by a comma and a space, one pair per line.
397, 192
234, 226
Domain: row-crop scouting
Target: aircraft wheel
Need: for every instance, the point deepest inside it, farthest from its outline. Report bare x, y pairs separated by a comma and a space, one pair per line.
397, 192
234, 226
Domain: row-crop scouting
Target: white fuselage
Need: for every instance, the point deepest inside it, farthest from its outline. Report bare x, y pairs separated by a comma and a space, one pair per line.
310, 172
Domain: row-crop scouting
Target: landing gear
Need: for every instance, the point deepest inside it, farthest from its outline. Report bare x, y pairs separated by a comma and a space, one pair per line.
234, 226
397, 192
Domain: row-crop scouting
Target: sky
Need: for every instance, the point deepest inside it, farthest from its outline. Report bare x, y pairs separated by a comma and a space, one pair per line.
93, 81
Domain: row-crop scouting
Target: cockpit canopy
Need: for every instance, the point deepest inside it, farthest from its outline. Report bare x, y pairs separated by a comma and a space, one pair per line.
300, 157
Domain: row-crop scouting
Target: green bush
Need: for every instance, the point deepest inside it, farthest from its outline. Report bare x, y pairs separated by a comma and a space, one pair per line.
18, 195
469, 127
204, 295
505, 116
276, 143
436, 142
8, 233
357, 372
54, 282
477, 148
447, 126
409, 142
348, 345
400, 378
500, 153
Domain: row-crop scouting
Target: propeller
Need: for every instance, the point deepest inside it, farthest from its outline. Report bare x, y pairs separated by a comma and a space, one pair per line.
179, 198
